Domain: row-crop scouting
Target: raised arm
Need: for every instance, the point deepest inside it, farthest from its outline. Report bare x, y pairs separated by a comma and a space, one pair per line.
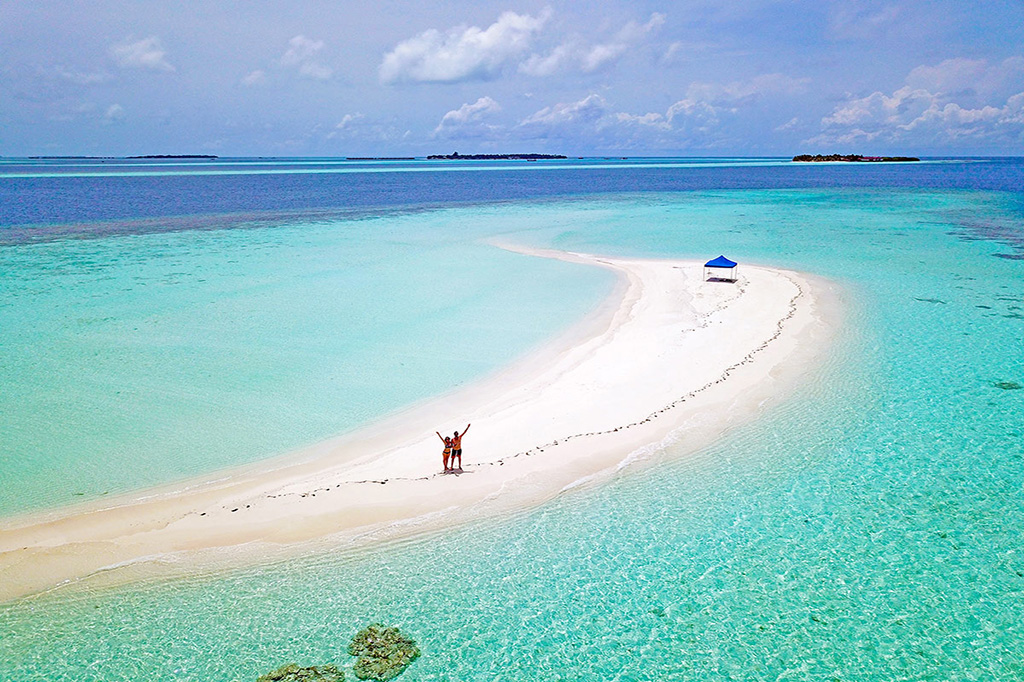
439, 435
467, 429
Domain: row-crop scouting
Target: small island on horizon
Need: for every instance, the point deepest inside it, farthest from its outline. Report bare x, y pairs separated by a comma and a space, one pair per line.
455, 156
855, 158
174, 156
210, 157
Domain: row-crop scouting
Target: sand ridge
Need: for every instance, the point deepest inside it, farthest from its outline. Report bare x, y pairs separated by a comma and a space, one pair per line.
668, 358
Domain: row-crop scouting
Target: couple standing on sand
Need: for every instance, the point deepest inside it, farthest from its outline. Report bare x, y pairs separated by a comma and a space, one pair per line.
452, 449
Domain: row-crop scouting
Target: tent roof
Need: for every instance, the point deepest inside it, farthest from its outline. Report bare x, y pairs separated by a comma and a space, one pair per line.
720, 262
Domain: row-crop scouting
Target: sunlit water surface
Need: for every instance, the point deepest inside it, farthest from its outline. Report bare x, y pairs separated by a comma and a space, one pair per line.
868, 528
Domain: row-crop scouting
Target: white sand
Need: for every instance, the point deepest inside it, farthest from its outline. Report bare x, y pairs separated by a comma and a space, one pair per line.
669, 358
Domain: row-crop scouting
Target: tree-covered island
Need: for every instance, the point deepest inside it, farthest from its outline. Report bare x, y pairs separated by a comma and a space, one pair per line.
495, 157
856, 158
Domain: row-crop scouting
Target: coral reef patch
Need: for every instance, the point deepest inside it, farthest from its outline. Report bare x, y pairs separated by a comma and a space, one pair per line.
291, 672
384, 653
1008, 385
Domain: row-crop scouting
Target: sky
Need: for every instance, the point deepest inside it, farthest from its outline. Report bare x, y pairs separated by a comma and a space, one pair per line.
388, 78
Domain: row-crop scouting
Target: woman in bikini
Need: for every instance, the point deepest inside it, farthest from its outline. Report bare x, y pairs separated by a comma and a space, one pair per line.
447, 449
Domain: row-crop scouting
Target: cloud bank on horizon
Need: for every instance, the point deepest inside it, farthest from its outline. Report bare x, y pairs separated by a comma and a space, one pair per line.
753, 77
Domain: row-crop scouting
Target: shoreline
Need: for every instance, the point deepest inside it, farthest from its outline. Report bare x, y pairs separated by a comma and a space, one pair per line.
666, 357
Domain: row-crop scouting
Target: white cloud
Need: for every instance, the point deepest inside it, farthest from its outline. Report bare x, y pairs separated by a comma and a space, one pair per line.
968, 77
743, 92
855, 19
114, 113
316, 71
257, 77
300, 49
472, 112
536, 65
877, 108
788, 125
462, 53
1013, 112
366, 132
595, 123
302, 55
652, 119
695, 121
76, 77
147, 53
694, 111
590, 109
633, 32
954, 101
600, 55
705, 104
589, 57
347, 120
671, 55
473, 53
468, 120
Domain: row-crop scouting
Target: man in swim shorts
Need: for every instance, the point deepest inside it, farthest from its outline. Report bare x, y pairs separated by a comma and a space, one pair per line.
457, 447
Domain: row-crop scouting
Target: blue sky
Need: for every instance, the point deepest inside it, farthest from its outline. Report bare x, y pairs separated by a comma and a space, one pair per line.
319, 77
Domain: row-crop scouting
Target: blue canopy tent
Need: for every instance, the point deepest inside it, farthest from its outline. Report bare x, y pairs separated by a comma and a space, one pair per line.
720, 269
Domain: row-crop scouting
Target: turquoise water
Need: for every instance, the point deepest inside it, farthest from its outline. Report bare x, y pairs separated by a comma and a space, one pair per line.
866, 529
133, 361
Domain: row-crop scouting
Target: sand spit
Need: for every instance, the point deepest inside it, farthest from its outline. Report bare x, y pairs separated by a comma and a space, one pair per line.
668, 358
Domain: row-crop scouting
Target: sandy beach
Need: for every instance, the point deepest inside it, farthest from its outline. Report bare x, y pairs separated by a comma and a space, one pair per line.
668, 359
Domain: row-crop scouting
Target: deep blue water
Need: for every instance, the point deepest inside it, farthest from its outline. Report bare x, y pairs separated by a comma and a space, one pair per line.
60, 199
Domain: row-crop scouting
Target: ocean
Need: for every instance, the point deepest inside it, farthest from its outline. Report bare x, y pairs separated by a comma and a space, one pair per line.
162, 320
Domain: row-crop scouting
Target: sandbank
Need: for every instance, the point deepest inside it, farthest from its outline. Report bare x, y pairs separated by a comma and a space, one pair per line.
667, 359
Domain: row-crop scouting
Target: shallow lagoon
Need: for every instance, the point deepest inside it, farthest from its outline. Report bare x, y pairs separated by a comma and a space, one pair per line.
866, 529
138, 360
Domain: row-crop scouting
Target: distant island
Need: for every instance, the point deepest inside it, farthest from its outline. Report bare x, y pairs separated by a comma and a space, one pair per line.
69, 158
856, 158
114, 158
455, 156
174, 156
